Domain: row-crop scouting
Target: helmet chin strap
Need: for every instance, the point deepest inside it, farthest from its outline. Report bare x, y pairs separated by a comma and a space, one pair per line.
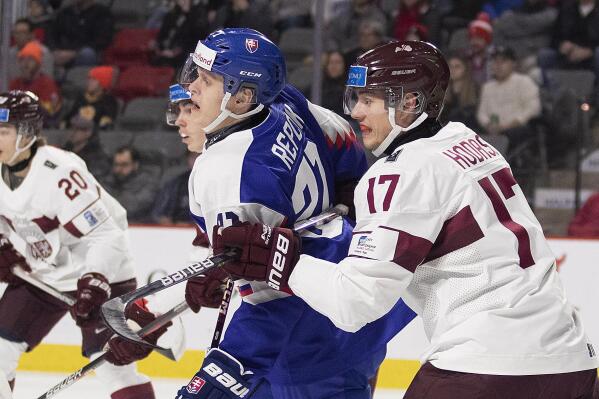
225, 113
18, 150
396, 130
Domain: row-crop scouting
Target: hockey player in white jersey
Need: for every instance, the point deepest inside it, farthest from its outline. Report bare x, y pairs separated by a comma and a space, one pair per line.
59, 224
441, 223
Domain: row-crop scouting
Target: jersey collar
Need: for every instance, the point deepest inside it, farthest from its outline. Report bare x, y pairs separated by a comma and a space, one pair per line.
426, 129
245, 124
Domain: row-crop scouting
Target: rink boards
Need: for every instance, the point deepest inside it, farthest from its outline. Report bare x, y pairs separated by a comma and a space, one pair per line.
167, 248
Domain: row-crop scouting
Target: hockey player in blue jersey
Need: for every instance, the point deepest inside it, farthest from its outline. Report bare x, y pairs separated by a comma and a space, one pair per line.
270, 156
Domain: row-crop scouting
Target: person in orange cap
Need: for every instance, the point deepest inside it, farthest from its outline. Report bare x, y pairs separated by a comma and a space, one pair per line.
31, 78
97, 103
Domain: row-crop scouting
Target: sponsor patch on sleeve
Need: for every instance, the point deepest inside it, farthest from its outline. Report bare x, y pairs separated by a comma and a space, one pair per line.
90, 218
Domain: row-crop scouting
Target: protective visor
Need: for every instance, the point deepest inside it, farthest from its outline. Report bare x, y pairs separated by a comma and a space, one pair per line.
178, 98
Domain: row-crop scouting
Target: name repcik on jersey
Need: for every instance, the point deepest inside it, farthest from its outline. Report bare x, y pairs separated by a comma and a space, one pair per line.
286, 142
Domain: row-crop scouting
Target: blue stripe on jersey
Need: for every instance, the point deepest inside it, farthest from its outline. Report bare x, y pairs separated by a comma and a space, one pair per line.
200, 221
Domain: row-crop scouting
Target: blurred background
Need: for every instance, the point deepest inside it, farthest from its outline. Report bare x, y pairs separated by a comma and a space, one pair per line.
524, 74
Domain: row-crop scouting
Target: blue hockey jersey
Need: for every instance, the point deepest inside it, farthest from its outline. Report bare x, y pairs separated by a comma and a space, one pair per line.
281, 171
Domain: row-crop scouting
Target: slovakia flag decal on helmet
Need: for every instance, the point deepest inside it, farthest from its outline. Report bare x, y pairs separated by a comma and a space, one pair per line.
251, 45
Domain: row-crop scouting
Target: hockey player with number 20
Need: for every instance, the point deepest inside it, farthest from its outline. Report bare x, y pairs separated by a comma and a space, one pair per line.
61, 226
271, 156
441, 223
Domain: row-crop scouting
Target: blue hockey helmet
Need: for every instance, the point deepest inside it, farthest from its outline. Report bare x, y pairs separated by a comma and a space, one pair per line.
177, 95
244, 57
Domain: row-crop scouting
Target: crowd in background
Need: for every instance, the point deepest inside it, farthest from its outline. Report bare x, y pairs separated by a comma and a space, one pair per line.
501, 55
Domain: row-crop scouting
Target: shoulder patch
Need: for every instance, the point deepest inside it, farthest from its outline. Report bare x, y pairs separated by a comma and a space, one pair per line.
50, 164
393, 157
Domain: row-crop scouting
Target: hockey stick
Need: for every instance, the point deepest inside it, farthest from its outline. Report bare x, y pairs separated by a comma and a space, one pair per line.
113, 311
222, 313
69, 300
94, 364
23, 275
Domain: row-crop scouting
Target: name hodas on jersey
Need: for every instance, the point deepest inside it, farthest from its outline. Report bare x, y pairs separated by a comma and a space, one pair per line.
287, 141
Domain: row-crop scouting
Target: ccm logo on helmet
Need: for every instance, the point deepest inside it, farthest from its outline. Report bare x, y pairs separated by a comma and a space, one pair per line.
250, 74
226, 380
278, 262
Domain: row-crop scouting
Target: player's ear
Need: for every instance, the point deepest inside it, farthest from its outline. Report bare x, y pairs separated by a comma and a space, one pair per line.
243, 100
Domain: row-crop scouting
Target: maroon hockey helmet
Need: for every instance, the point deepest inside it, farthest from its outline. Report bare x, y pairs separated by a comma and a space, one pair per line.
398, 68
22, 109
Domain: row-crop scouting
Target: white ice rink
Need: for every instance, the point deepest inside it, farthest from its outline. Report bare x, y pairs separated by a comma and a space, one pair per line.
31, 385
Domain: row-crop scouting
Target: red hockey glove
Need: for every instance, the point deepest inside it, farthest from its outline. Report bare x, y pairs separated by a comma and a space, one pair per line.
268, 253
206, 290
92, 291
124, 352
9, 258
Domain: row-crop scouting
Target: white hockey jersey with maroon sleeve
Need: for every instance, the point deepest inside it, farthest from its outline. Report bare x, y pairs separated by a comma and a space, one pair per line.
64, 222
443, 225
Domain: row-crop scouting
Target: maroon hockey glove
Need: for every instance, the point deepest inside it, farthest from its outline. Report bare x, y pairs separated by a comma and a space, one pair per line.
92, 291
206, 290
124, 352
268, 253
9, 258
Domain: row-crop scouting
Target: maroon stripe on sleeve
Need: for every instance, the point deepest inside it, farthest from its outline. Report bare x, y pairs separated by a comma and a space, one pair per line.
410, 250
505, 181
47, 224
70, 227
457, 232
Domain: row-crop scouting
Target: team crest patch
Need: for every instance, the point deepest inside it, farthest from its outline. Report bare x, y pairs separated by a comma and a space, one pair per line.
251, 45
50, 164
41, 249
195, 384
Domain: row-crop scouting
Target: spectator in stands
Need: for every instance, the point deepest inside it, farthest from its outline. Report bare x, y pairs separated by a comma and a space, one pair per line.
509, 101
371, 34
461, 98
80, 32
172, 202
418, 17
31, 78
333, 82
97, 103
459, 17
526, 30
133, 187
586, 221
254, 14
182, 25
495, 8
291, 14
84, 141
480, 34
576, 38
41, 20
22, 33
342, 32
